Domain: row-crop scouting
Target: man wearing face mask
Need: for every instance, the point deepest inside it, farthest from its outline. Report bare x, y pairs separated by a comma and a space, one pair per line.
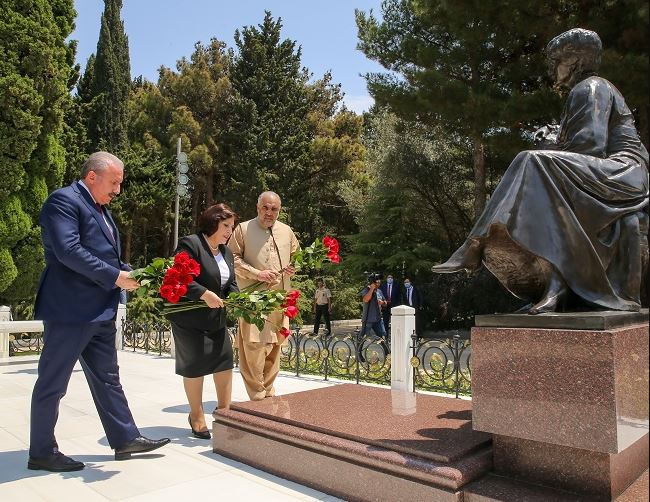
413, 298
392, 294
262, 248
373, 302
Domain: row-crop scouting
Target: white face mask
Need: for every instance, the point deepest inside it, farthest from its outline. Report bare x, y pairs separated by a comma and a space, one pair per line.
389, 280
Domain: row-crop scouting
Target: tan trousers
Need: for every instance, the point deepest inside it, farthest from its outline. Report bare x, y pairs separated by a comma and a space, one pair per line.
259, 365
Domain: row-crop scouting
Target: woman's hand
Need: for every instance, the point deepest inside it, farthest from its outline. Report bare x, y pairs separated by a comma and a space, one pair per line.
212, 300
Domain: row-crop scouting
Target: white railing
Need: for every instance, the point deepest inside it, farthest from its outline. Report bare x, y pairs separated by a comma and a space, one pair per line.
7, 327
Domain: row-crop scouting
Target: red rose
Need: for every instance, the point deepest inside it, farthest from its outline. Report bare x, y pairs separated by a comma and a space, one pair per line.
291, 311
194, 268
166, 291
180, 290
173, 298
294, 295
284, 332
185, 278
182, 258
334, 258
171, 276
331, 244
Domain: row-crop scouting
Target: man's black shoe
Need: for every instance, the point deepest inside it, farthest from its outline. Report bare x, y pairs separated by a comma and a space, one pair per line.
57, 462
139, 445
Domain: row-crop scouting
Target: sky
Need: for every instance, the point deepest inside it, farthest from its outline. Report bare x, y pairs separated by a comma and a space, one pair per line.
161, 32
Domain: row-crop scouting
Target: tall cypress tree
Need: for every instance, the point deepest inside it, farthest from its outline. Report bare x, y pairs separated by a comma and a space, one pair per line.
267, 73
111, 83
35, 72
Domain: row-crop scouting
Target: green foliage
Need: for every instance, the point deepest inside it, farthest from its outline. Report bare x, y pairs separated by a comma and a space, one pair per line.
8, 268
35, 75
143, 211
111, 83
417, 206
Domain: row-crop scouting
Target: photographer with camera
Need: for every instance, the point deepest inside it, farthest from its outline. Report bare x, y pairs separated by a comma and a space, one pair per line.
373, 301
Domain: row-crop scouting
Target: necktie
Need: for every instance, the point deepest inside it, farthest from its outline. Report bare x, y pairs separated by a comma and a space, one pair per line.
390, 286
100, 208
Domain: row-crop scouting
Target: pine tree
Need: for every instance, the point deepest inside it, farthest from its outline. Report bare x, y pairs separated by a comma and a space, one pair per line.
35, 74
111, 83
474, 68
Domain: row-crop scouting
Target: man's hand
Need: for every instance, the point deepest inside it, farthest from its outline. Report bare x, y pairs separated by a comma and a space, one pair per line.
211, 299
289, 270
267, 276
124, 281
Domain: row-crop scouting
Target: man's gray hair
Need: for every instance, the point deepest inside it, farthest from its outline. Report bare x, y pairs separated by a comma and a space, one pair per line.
268, 193
99, 162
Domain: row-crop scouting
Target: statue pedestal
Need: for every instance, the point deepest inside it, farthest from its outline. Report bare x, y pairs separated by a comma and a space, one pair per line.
566, 397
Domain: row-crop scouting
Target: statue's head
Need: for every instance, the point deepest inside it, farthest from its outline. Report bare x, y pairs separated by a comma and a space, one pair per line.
573, 56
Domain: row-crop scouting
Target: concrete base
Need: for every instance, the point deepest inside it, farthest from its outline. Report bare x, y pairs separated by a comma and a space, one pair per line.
349, 441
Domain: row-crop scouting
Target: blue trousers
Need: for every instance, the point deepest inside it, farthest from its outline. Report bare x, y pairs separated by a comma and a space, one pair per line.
93, 344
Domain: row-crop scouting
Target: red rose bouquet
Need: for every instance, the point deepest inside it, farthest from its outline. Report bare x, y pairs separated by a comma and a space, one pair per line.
166, 281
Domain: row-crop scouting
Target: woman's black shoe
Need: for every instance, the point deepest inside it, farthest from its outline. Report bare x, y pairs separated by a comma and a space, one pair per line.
198, 434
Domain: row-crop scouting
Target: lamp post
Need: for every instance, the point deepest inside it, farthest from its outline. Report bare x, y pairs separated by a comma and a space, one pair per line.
181, 185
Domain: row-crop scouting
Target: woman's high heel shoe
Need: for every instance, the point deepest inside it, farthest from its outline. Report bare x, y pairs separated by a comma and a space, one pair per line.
198, 434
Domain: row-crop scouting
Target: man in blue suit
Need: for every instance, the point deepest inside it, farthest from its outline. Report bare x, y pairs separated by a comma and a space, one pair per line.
77, 300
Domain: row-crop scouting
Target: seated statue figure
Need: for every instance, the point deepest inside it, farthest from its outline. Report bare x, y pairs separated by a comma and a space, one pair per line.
571, 217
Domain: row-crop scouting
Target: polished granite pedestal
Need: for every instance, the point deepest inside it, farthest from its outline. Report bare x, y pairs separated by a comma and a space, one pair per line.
360, 443
566, 398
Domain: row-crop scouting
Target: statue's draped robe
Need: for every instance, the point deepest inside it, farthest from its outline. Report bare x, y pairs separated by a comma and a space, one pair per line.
581, 207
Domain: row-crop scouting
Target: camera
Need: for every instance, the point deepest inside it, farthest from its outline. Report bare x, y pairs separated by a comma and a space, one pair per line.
374, 277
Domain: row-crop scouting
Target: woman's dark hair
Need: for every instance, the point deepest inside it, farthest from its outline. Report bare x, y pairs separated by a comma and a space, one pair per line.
212, 216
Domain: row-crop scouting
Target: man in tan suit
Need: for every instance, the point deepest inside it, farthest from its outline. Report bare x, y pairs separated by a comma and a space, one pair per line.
262, 248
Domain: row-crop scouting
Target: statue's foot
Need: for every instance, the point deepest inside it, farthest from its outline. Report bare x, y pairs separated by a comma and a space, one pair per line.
556, 293
525, 309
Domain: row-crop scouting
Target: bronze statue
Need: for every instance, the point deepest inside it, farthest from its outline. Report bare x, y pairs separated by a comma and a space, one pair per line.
572, 216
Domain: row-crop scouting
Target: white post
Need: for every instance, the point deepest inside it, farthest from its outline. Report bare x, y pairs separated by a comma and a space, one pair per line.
5, 315
119, 326
402, 324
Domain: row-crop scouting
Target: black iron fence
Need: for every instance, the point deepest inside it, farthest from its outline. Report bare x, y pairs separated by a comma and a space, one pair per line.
439, 364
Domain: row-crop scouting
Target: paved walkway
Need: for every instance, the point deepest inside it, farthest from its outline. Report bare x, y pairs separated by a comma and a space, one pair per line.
185, 469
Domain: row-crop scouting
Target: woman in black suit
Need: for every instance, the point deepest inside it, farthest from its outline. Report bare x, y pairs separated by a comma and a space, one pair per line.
202, 344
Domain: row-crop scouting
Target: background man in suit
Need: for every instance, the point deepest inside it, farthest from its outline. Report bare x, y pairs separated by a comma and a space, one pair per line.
413, 298
392, 295
77, 300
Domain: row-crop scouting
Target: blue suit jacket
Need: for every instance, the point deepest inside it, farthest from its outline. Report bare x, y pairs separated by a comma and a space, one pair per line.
82, 260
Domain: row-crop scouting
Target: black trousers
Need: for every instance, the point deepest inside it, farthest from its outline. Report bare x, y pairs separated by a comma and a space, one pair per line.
322, 311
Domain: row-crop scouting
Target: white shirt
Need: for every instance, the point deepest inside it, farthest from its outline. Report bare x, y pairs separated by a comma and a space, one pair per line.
108, 225
224, 270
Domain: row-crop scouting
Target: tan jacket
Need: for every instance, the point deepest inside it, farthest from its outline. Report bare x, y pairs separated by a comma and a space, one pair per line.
255, 249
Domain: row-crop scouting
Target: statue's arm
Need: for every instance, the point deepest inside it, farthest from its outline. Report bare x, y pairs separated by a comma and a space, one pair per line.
585, 124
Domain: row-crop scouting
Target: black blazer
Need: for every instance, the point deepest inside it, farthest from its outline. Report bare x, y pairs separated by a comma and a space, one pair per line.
416, 299
209, 278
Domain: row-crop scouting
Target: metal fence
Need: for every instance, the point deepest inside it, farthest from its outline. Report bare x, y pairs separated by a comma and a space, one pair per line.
440, 363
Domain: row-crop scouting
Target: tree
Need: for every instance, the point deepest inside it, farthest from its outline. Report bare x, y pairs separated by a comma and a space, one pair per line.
477, 69
110, 83
267, 73
413, 213
35, 73
473, 68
